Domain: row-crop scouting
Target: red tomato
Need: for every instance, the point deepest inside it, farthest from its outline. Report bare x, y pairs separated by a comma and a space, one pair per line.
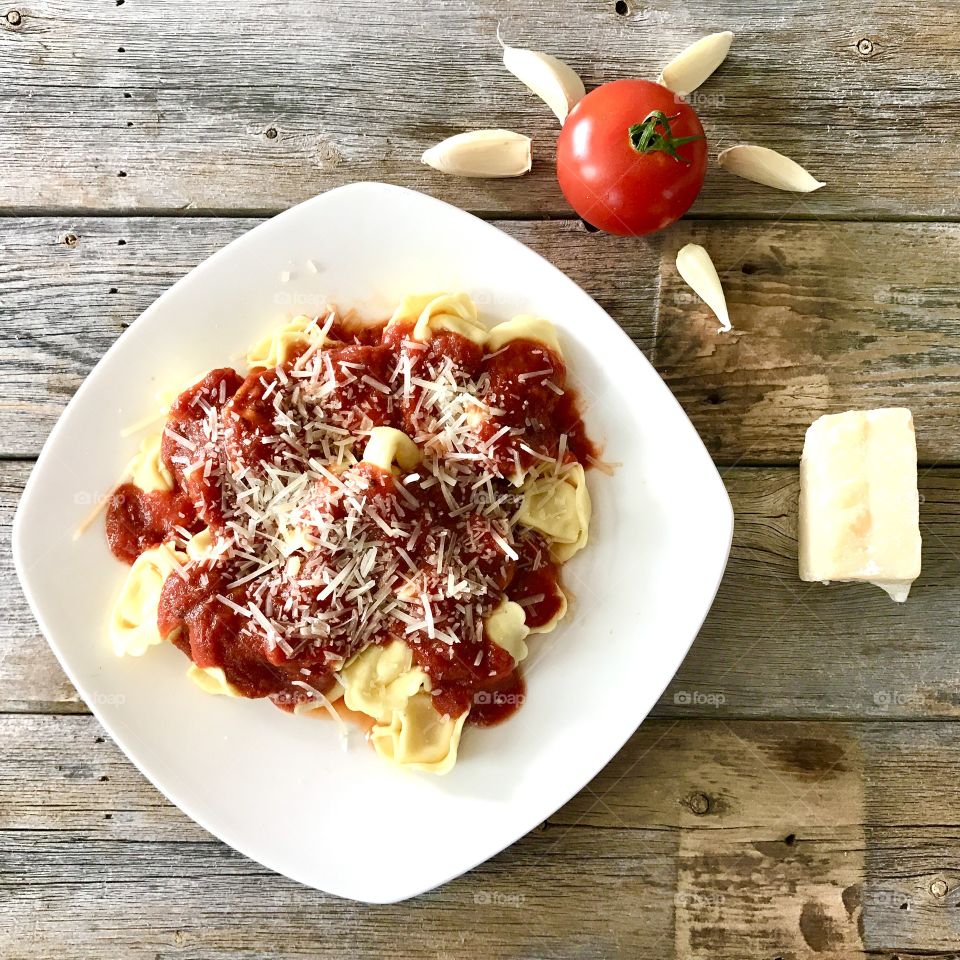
631, 157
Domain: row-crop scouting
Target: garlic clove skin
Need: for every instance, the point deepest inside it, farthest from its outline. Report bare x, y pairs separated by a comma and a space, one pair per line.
695, 64
552, 80
772, 169
697, 269
481, 153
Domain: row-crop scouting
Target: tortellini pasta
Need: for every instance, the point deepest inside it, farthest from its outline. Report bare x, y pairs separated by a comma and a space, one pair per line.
388, 446
419, 738
279, 346
381, 679
382, 682
559, 507
334, 694
212, 680
133, 620
146, 470
506, 626
434, 312
200, 545
524, 327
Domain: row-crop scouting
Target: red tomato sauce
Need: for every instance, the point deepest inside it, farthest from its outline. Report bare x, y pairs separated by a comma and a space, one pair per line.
138, 520
538, 591
432, 547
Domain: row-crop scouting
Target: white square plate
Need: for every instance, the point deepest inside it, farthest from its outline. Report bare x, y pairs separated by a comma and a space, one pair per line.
279, 788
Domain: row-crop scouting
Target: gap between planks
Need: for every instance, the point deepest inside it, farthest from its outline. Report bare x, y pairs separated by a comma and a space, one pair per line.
190, 212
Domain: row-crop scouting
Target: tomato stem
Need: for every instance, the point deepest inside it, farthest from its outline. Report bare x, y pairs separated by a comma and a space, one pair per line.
646, 138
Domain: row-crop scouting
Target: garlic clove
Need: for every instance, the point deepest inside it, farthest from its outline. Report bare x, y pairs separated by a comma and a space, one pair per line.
685, 73
768, 167
481, 153
697, 269
553, 81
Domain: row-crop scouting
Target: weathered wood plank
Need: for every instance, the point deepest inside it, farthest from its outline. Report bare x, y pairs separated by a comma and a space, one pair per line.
68, 287
702, 839
796, 839
91, 854
774, 646
842, 651
827, 316
30, 677
64, 895
267, 103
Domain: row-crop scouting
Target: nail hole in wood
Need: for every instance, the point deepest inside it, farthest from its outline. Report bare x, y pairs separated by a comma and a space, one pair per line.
104, 778
121, 243
271, 133
98, 739
114, 290
120, 3
790, 839
621, 7
108, 816
714, 398
121, 49
904, 906
71, 239
865, 47
122, 173
129, 123
14, 18
127, 96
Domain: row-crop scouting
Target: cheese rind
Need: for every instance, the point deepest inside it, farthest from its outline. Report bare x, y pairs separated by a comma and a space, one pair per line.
859, 507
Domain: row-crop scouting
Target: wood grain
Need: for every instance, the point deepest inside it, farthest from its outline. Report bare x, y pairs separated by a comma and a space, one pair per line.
702, 839
265, 103
827, 316
779, 804
774, 646
30, 677
844, 651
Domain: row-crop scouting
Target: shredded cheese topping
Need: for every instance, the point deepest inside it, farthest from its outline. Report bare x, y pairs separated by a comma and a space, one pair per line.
327, 555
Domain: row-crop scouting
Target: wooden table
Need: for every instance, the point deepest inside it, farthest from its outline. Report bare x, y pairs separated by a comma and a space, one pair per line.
794, 793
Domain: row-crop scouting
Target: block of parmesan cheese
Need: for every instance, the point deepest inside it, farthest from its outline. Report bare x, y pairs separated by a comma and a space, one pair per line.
859, 508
